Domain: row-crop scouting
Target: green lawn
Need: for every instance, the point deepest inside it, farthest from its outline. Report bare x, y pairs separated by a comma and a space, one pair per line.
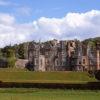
12, 75
16, 75
45, 94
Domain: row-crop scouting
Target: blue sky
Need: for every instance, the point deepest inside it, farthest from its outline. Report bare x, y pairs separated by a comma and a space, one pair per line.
26, 20
47, 8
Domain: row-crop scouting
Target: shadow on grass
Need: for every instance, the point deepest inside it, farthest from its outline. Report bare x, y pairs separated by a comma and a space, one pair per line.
84, 86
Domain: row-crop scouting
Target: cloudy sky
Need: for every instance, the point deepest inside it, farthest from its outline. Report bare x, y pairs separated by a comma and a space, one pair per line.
26, 20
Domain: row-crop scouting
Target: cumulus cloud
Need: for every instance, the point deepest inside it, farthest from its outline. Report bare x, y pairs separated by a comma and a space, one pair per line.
71, 26
11, 32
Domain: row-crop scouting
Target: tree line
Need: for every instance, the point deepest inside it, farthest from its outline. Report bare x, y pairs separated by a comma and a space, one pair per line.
9, 54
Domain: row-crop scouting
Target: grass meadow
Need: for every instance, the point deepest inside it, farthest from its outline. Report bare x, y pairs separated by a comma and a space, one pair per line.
16, 75
48, 94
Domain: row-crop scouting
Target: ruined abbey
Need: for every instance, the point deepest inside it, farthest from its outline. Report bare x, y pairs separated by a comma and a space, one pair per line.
63, 55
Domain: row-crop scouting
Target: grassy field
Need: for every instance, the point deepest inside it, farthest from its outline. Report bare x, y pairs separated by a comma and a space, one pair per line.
17, 75
13, 75
45, 94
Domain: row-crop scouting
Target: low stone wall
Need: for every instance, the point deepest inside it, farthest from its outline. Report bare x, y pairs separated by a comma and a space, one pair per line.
21, 63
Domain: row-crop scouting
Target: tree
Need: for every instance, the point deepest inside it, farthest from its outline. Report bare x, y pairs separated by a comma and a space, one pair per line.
9, 54
10, 58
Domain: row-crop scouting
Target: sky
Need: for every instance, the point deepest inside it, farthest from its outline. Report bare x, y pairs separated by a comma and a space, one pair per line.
27, 20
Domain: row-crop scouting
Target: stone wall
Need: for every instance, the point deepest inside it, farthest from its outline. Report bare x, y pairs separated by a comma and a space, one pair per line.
21, 63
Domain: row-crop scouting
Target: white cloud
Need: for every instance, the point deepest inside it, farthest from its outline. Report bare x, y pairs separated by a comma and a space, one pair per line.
6, 19
11, 32
73, 25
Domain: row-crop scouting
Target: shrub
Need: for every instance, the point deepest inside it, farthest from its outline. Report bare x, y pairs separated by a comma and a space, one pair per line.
91, 73
97, 74
29, 66
11, 62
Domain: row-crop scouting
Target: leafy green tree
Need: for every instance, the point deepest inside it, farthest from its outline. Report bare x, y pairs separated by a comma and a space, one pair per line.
10, 58
9, 54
